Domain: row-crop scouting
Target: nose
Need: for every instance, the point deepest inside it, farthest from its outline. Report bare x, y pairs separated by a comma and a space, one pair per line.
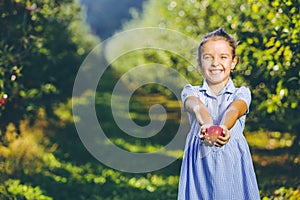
215, 62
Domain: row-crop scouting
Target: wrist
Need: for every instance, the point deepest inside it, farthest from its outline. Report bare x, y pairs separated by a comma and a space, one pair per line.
223, 126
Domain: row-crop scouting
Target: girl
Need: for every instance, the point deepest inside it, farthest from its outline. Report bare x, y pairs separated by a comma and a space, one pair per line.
224, 170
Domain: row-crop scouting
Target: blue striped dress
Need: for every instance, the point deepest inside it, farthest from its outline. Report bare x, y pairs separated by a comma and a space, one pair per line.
217, 173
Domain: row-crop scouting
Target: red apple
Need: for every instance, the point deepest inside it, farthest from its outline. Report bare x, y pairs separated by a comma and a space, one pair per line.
212, 133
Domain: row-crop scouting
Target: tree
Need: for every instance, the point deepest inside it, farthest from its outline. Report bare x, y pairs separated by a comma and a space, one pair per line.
191, 18
41, 47
270, 56
268, 32
270, 62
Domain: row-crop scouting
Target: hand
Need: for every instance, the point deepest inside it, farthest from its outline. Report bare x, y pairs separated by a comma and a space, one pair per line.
222, 140
203, 130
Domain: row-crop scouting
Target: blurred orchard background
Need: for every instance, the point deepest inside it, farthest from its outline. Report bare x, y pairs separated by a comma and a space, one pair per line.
44, 42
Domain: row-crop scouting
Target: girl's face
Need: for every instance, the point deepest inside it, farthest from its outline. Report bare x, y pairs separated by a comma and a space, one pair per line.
217, 62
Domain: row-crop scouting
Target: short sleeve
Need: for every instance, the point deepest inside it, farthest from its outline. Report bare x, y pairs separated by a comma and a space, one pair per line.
243, 93
187, 91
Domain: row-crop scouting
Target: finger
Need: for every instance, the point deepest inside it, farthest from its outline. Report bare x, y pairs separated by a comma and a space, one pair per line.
226, 135
222, 140
224, 128
219, 143
201, 135
203, 130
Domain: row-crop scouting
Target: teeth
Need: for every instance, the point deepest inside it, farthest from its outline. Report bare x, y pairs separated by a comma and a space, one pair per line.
216, 71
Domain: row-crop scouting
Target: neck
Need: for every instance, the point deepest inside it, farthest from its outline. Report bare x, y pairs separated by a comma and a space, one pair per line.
217, 88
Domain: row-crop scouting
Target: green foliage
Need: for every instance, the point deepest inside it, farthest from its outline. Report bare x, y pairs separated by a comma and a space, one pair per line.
22, 153
42, 44
51, 158
270, 60
268, 49
64, 165
284, 193
16, 190
270, 140
190, 18
90, 180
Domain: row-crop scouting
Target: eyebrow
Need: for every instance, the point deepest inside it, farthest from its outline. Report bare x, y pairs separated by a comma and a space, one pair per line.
223, 54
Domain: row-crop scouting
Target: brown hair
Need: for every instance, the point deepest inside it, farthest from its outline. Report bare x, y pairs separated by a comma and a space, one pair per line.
218, 34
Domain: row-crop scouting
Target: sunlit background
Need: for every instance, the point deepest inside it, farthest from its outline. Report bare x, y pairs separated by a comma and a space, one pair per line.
43, 44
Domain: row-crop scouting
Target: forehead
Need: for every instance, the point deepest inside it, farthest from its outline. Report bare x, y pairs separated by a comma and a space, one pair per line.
216, 46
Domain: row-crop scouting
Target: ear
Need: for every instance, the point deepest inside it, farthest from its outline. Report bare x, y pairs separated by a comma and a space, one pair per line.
235, 61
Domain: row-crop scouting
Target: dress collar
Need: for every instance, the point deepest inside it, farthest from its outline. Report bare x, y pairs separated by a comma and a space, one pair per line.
229, 88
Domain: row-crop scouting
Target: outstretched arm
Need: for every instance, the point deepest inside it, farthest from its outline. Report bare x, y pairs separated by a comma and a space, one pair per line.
237, 109
195, 106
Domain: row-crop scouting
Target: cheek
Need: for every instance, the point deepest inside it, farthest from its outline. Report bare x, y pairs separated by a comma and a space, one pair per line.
230, 64
203, 68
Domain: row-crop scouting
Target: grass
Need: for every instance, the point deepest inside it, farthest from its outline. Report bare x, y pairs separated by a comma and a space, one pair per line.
54, 164
276, 166
64, 165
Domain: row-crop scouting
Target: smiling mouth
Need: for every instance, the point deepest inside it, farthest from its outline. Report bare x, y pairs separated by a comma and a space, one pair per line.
216, 71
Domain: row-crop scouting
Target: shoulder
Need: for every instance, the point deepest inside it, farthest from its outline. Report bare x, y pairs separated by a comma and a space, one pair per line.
243, 93
189, 90
191, 87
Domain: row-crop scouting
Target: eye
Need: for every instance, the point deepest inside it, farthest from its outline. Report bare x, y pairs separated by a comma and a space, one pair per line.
224, 57
207, 58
